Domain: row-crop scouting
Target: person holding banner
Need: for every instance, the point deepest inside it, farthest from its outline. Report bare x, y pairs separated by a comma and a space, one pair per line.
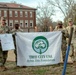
3, 54
65, 35
13, 31
72, 53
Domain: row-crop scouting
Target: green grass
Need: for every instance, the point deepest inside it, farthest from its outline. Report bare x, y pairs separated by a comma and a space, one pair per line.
39, 70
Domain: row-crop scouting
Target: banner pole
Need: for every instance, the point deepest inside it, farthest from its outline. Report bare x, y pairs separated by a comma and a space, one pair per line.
67, 52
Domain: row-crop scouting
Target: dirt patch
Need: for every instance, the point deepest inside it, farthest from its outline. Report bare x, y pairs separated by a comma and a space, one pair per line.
39, 70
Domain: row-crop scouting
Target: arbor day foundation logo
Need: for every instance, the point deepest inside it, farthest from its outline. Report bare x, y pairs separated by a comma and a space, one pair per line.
40, 44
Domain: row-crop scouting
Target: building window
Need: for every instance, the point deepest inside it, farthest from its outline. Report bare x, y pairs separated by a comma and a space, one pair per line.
21, 14
10, 13
0, 13
26, 23
26, 14
21, 23
5, 13
30, 14
6, 22
16, 14
31, 23
16, 21
11, 23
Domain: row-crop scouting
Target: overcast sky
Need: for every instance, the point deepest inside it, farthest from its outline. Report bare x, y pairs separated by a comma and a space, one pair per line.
34, 3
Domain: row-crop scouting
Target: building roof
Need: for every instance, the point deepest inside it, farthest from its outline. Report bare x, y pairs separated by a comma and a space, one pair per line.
15, 5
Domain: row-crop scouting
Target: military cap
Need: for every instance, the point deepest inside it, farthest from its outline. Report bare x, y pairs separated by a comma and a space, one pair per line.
59, 22
70, 19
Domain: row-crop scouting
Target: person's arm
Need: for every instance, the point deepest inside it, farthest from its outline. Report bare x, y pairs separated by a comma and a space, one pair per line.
51, 28
65, 32
56, 28
8, 29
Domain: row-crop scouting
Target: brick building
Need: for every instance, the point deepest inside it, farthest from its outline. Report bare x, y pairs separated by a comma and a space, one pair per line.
24, 15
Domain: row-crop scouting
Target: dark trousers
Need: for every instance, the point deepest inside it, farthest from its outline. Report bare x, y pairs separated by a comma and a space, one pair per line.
3, 57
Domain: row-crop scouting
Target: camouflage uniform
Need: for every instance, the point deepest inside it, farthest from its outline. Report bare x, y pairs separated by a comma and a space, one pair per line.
13, 31
3, 54
73, 42
64, 36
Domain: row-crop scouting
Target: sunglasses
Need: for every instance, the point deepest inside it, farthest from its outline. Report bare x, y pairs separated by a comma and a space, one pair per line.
70, 21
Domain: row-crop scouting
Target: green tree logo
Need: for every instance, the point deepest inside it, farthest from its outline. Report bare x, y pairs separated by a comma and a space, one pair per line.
40, 44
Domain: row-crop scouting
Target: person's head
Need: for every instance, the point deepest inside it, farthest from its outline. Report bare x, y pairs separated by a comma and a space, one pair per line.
3, 21
59, 23
16, 26
70, 22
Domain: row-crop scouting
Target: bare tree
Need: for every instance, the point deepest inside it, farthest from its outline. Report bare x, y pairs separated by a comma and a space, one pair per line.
13, 1
73, 13
44, 13
65, 6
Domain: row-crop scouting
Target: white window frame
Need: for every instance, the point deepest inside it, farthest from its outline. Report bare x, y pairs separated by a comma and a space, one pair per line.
21, 22
26, 21
6, 22
5, 13
26, 14
16, 13
21, 13
31, 14
16, 21
10, 13
0, 13
11, 22
31, 22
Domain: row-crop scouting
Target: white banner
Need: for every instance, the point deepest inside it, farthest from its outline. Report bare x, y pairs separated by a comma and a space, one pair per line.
38, 48
7, 42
